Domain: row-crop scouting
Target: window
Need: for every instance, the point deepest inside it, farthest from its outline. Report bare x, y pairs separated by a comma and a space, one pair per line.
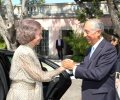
43, 47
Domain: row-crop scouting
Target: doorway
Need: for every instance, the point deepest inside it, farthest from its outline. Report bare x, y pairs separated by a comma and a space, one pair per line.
43, 47
67, 47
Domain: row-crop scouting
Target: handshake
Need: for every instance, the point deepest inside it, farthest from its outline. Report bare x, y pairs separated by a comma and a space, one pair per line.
68, 64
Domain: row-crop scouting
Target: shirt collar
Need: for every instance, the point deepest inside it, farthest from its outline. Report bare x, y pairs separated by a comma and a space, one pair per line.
96, 44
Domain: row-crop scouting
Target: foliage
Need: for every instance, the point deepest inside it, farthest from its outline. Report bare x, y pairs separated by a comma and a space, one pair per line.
81, 16
119, 14
79, 45
2, 1
91, 10
95, 10
90, 0
2, 43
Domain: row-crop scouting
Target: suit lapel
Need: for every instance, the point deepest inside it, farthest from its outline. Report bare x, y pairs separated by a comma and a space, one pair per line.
98, 50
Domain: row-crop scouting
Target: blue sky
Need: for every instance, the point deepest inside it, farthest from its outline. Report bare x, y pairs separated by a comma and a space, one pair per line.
47, 1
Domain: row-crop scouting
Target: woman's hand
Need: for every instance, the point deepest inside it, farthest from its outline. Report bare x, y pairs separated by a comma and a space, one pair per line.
68, 64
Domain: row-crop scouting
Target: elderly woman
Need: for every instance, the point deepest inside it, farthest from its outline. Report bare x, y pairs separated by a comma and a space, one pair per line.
26, 73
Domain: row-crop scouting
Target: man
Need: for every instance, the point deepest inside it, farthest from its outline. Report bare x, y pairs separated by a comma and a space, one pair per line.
59, 47
97, 69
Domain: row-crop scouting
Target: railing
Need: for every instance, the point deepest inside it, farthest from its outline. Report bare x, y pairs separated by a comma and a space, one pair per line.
54, 10
49, 10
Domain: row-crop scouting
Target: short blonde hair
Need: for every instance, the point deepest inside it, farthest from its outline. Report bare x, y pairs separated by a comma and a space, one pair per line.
26, 30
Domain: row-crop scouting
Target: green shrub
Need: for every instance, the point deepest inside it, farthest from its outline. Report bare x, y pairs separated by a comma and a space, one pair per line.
77, 58
78, 44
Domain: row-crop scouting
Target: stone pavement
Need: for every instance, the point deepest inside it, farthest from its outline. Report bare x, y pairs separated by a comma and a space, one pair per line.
74, 91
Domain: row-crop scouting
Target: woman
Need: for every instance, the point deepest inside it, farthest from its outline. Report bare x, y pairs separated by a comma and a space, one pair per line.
115, 42
26, 73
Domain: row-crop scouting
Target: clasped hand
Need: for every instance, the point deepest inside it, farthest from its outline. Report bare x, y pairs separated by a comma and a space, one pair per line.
68, 64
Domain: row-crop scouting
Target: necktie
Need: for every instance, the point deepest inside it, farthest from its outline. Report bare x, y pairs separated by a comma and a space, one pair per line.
91, 52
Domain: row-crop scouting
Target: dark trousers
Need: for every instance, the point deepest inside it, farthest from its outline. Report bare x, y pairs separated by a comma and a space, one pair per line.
60, 54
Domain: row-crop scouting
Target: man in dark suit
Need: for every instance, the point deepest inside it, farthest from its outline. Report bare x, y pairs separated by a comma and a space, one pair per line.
97, 69
59, 47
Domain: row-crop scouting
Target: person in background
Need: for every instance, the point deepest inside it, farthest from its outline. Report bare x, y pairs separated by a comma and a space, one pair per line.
59, 47
98, 67
115, 42
26, 73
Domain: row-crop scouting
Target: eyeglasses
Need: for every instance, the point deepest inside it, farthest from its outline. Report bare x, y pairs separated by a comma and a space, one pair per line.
89, 31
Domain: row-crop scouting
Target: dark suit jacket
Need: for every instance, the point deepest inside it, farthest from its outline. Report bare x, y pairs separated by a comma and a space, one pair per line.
97, 73
118, 60
61, 46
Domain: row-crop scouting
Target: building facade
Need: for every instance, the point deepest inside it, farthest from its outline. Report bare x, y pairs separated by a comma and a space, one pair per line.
56, 19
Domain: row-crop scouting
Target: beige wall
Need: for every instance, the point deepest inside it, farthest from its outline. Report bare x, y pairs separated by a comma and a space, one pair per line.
54, 26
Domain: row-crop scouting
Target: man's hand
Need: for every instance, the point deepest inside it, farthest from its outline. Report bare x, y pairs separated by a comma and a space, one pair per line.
68, 64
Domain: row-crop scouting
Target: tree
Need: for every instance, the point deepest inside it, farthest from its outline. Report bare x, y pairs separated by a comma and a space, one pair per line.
94, 11
114, 12
7, 22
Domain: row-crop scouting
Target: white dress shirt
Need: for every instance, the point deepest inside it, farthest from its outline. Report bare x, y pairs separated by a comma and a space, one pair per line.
59, 42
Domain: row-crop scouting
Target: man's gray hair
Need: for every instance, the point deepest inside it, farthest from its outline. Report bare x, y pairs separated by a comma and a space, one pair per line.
97, 24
